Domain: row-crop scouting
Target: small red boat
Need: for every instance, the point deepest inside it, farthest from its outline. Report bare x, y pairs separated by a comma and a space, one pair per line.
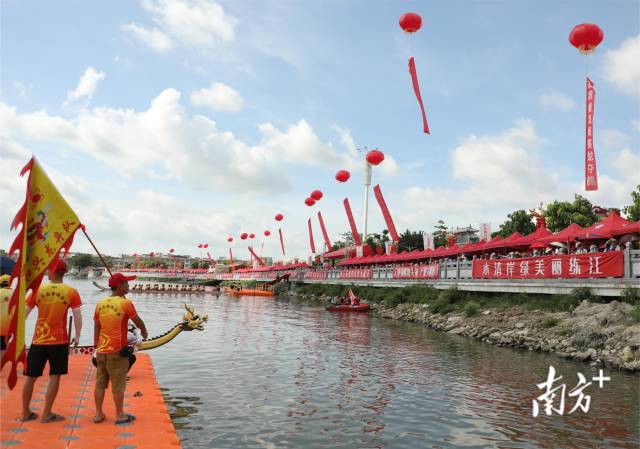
348, 308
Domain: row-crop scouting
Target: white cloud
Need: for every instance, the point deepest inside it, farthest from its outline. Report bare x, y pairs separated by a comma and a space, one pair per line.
20, 88
198, 23
612, 139
636, 124
495, 174
219, 96
163, 141
622, 66
151, 37
87, 85
557, 100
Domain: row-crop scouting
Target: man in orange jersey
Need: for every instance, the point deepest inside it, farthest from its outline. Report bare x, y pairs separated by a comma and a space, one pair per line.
50, 341
110, 337
5, 296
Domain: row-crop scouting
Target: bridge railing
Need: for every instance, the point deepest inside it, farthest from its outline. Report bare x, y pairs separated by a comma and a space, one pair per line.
443, 271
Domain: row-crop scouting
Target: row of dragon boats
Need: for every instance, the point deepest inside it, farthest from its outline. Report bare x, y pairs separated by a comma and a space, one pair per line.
349, 303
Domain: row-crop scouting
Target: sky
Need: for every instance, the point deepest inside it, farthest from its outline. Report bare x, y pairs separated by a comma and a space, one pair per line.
169, 123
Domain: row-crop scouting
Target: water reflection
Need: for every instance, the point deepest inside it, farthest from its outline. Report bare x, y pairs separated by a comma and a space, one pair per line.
268, 373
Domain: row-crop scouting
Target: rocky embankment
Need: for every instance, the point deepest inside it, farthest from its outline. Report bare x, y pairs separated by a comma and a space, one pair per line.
602, 334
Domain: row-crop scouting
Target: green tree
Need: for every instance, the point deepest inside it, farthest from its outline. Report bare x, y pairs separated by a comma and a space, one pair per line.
633, 211
440, 234
83, 260
374, 240
519, 220
410, 240
560, 214
344, 237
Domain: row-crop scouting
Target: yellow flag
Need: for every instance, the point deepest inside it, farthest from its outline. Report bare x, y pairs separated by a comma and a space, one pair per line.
48, 225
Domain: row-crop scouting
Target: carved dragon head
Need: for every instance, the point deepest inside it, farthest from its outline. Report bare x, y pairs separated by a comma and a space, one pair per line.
192, 321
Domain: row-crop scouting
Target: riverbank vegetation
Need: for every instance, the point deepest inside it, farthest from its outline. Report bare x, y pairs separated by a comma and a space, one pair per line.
469, 303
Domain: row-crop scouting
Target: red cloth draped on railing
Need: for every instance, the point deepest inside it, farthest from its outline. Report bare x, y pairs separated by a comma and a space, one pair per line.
385, 213
591, 265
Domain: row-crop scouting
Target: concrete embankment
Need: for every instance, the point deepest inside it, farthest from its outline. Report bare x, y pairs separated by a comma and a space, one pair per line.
597, 333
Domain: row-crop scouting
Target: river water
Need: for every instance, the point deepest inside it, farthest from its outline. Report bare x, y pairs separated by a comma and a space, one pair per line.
273, 374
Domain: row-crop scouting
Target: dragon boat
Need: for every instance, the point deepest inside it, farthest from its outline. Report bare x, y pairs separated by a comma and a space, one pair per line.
190, 321
354, 305
137, 290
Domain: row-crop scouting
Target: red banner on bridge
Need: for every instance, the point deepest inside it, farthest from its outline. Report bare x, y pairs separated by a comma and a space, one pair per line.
593, 265
356, 273
431, 271
319, 275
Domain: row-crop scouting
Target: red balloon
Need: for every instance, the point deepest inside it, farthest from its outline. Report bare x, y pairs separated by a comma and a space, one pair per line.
309, 201
200, 245
375, 157
206, 245
410, 22
279, 217
244, 236
230, 239
316, 195
586, 37
267, 233
251, 236
171, 250
343, 176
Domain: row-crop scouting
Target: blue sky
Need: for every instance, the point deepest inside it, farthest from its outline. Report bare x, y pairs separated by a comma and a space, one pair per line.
169, 123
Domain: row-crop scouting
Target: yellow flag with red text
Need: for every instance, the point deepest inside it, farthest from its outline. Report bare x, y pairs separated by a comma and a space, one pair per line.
48, 225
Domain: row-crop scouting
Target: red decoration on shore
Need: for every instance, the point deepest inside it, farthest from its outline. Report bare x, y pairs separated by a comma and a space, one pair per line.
309, 201
386, 214
279, 217
311, 242
343, 176
316, 195
410, 22
352, 222
281, 241
375, 157
586, 37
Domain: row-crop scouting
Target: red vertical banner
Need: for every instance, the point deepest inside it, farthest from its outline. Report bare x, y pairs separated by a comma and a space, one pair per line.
324, 232
416, 90
281, 241
311, 243
385, 213
230, 257
590, 170
260, 261
352, 223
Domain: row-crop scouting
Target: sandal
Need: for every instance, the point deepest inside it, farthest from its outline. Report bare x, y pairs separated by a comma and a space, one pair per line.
99, 419
127, 420
52, 418
32, 416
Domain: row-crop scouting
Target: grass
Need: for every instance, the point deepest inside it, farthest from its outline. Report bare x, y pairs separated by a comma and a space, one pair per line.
550, 322
452, 299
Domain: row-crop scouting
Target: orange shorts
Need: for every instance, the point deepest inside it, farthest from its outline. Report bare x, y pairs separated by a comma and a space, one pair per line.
114, 367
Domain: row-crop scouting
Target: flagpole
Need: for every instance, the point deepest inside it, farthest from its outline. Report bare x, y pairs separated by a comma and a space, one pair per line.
96, 250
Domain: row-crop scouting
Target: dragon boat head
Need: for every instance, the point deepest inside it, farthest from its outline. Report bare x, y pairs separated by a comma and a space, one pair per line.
193, 321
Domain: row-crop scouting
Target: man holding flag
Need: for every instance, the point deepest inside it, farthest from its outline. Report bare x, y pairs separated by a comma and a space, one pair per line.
50, 340
47, 226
